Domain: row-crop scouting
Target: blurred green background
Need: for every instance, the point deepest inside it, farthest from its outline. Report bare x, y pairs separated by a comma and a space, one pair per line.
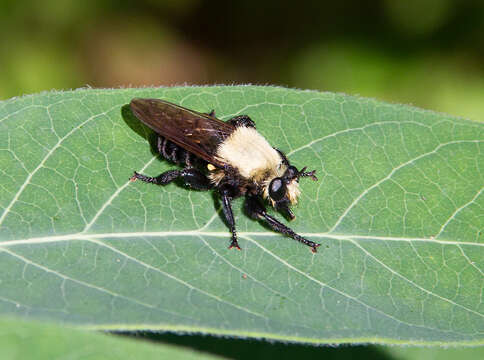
429, 53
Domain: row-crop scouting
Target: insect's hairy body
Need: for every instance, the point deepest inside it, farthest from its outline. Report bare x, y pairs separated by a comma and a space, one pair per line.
250, 152
255, 161
197, 133
230, 157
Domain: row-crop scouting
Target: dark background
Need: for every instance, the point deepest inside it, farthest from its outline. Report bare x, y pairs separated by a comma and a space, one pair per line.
429, 53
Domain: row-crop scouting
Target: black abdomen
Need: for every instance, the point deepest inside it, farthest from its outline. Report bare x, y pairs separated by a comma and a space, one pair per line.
174, 153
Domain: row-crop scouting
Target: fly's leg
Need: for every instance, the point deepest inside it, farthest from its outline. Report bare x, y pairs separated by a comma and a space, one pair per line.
192, 177
226, 193
257, 211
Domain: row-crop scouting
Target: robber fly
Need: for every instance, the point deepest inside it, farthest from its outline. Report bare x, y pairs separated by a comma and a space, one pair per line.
229, 157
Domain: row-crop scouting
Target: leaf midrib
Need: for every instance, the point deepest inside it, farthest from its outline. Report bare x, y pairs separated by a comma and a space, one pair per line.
284, 262
339, 220
197, 232
201, 232
247, 235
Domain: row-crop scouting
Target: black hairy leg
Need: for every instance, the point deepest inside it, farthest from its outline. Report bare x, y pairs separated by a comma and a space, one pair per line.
242, 120
303, 173
257, 211
193, 178
226, 192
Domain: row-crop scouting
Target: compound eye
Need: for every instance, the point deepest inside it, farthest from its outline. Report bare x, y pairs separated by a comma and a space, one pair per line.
277, 189
291, 172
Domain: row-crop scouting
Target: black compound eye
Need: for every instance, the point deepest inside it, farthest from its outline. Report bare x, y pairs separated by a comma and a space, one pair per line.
277, 189
291, 172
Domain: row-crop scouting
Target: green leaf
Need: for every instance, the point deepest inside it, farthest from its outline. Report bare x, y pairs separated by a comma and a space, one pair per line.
426, 353
35, 340
398, 209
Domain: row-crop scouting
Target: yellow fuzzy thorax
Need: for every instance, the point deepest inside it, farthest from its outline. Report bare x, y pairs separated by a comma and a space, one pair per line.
256, 161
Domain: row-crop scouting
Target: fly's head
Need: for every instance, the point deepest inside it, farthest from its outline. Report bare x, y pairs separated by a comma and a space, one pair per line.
284, 191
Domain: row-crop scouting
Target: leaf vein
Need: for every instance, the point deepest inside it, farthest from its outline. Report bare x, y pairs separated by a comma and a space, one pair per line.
44, 160
458, 210
340, 292
86, 284
421, 288
390, 174
173, 277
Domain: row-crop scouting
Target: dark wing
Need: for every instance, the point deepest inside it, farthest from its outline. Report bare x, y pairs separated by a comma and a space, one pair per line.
195, 132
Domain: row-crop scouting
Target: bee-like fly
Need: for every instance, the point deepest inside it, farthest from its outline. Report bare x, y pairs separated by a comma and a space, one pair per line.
229, 157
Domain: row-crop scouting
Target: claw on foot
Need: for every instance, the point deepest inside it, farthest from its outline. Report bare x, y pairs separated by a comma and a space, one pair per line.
314, 248
234, 245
